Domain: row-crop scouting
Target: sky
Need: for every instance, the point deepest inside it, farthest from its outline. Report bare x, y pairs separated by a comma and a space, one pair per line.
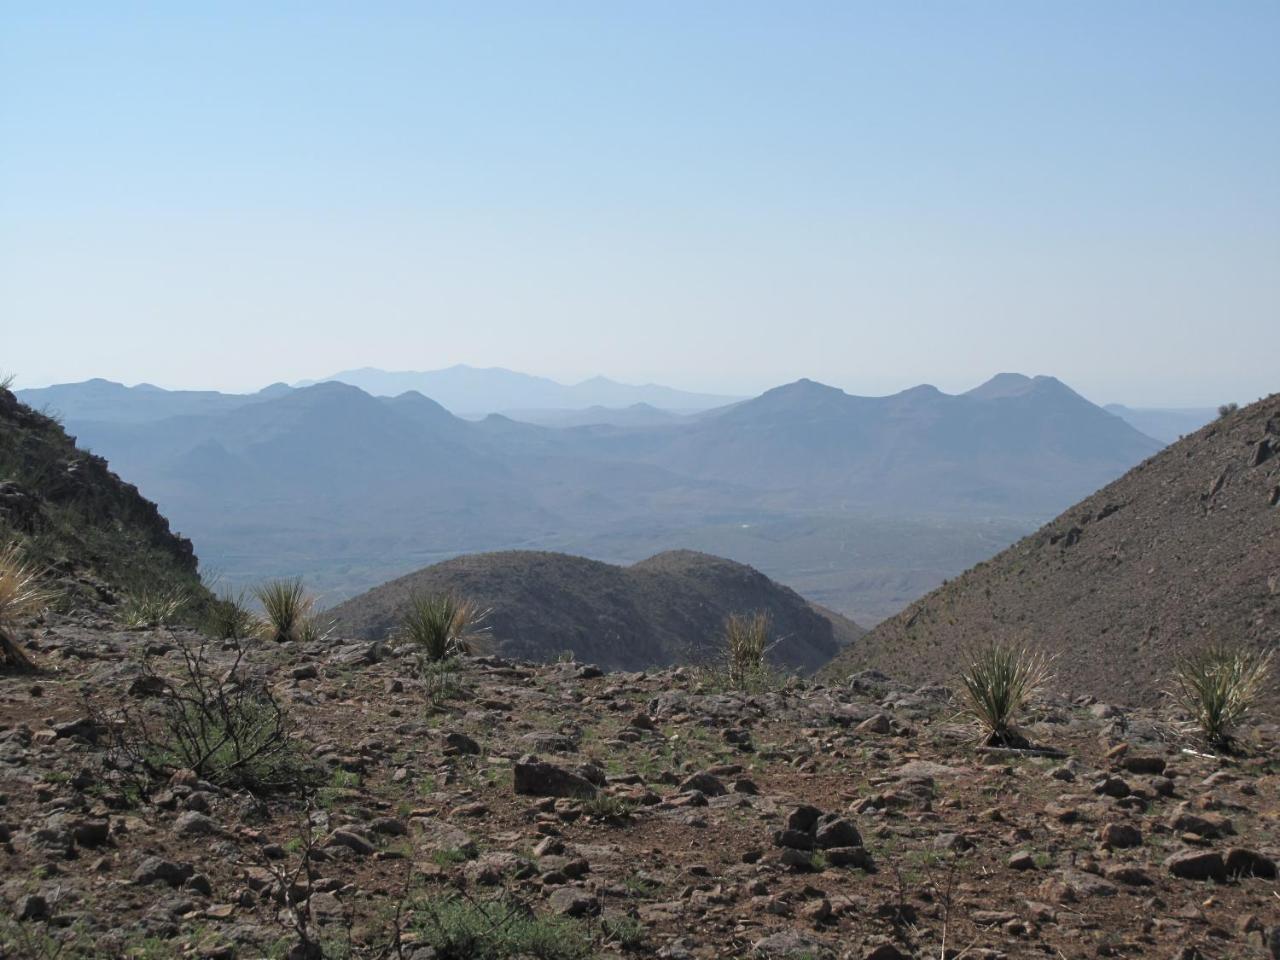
719, 196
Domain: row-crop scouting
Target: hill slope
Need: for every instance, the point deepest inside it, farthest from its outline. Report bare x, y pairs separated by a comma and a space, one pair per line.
71, 513
667, 609
1184, 547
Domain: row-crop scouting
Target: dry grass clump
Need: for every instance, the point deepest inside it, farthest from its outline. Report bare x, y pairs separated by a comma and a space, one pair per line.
997, 684
442, 625
746, 645
154, 607
21, 597
1220, 687
287, 607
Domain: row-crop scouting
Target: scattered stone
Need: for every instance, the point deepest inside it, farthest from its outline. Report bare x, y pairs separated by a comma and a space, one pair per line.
541, 779
1197, 865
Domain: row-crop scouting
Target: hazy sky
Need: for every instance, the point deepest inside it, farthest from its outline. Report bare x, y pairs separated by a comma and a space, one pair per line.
718, 195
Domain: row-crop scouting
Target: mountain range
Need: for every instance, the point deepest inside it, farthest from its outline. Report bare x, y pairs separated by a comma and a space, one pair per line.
863, 503
470, 391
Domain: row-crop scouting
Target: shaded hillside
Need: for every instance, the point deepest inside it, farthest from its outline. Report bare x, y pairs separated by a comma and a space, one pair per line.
667, 609
71, 513
1183, 548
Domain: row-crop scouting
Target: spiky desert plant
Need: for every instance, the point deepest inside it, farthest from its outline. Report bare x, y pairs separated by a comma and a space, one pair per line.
997, 683
154, 607
21, 597
442, 625
286, 606
746, 644
1220, 686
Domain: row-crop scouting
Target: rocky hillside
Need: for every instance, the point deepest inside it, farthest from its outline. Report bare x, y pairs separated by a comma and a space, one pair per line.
550, 812
665, 610
71, 513
1182, 549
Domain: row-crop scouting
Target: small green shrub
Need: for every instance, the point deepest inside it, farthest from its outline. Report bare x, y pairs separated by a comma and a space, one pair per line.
215, 719
605, 806
440, 681
287, 607
461, 928
229, 617
997, 683
442, 625
1227, 409
21, 597
1220, 687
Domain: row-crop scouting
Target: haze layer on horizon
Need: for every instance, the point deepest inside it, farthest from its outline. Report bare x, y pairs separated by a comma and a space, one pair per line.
719, 197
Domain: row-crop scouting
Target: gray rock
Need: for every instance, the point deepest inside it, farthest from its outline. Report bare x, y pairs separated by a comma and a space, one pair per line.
352, 841
193, 823
1197, 865
836, 831
538, 778
158, 870
705, 784
1249, 863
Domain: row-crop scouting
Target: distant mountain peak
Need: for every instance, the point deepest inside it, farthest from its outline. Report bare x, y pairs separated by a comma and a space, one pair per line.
1002, 385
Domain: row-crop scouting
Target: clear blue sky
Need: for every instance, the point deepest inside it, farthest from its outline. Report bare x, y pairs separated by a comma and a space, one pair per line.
718, 195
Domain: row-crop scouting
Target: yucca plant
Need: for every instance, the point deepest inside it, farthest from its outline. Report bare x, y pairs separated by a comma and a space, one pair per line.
287, 607
997, 684
154, 607
442, 625
1220, 687
746, 644
21, 597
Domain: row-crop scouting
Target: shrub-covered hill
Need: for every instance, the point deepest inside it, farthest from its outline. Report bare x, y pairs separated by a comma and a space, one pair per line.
1184, 549
664, 610
71, 514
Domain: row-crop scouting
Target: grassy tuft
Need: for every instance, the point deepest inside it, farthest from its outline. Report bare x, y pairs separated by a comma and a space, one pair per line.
21, 597
461, 928
154, 608
442, 626
287, 607
997, 683
746, 645
1220, 687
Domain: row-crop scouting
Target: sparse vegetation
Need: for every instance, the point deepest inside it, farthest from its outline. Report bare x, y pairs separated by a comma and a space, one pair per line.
21, 597
746, 645
159, 607
287, 608
229, 617
461, 928
1220, 687
997, 683
442, 625
213, 719
1226, 409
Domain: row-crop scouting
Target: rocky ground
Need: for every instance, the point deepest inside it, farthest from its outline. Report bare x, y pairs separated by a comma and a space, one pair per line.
634, 814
